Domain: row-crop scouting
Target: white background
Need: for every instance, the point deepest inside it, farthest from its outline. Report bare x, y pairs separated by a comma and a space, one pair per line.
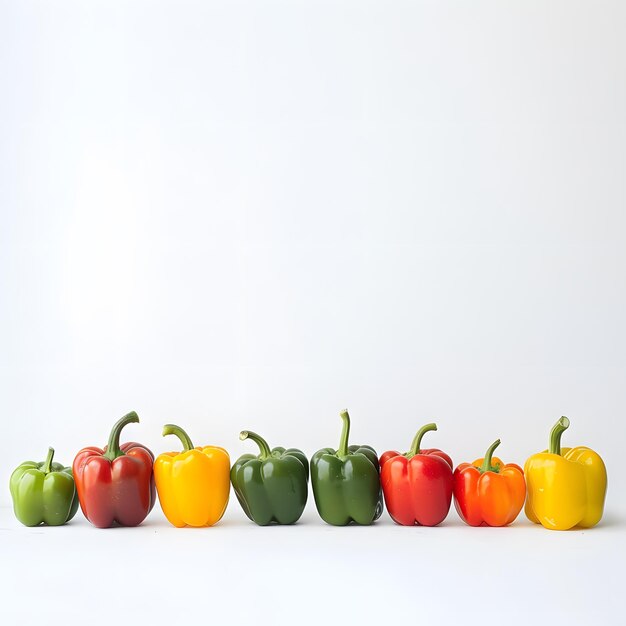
246, 214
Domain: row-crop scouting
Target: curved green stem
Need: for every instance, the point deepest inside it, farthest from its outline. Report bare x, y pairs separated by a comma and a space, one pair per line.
486, 466
47, 464
345, 433
417, 440
172, 429
265, 449
555, 435
113, 447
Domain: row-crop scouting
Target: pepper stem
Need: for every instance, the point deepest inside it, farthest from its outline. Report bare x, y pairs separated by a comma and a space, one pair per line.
113, 447
172, 429
555, 435
265, 449
486, 466
345, 433
47, 464
417, 440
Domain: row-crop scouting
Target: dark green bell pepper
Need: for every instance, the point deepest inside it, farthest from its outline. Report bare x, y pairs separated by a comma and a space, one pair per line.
43, 492
273, 486
346, 482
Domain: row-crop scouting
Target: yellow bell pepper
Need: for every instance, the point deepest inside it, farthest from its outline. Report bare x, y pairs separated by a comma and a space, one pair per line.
566, 486
194, 484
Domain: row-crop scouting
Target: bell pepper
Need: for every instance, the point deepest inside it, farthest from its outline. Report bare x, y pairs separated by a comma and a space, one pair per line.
273, 486
193, 485
487, 492
417, 485
43, 492
346, 482
115, 485
566, 486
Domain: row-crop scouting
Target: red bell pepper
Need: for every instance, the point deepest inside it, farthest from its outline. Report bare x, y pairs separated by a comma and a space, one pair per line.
115, 485
417, 485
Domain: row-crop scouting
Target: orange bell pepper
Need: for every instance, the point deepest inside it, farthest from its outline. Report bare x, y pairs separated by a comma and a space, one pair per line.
487, 492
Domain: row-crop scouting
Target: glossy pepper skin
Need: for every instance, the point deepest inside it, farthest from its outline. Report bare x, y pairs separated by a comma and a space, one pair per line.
566, 486
43, 493
115, 485
193, 485
346, 482
487, 492
418, 484
273, 486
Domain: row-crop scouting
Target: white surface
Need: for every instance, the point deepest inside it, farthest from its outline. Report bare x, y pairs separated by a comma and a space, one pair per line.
246, 214
311, 572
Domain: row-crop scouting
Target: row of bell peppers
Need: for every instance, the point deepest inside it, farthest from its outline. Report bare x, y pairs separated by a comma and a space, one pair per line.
562, 488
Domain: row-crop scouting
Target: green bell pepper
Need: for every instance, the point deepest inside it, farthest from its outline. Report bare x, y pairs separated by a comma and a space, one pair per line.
346, 482
43, 492
273, 486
